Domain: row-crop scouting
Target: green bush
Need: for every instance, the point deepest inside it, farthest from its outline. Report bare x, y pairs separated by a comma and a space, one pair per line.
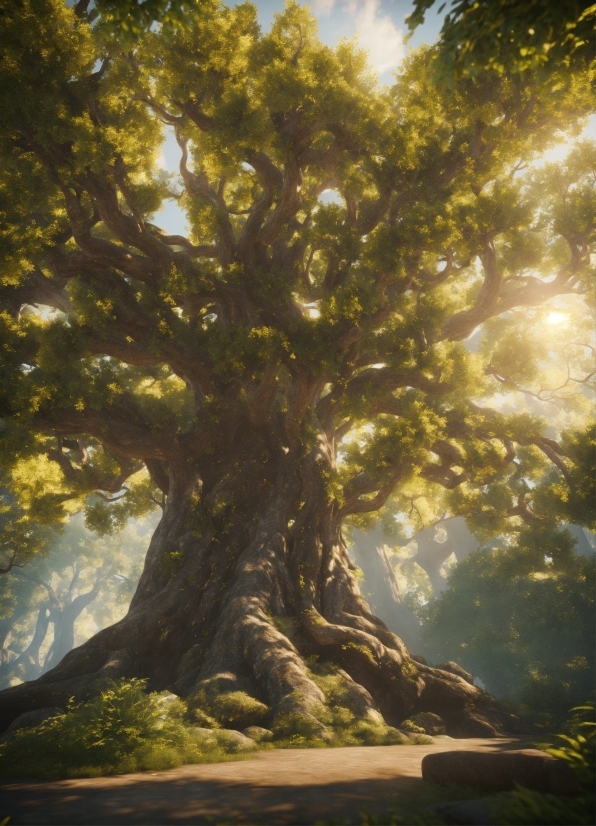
124, 729
522, 620
577, 749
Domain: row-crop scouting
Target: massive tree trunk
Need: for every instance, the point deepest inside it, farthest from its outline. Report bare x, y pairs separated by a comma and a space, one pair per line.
252, 547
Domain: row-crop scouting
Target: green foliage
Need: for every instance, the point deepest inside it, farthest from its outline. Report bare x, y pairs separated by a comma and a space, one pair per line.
521, 619
123, 730
505, 35
578, 750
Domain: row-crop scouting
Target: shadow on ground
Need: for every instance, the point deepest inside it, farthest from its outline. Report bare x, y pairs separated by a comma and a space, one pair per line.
297, 786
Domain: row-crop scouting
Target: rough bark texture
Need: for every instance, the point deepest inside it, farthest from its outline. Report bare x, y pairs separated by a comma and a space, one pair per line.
250, 550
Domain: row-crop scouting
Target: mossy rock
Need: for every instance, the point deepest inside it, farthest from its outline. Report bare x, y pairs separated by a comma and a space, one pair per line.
411, 727
429, 723
258, 734
232, 741
235, 710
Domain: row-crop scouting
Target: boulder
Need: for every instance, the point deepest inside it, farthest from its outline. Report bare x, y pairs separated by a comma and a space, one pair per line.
258, 734
234, 741
429, 723
31, 719
395, 737
500, 771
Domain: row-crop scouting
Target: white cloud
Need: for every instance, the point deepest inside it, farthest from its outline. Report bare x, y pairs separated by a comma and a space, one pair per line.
322, 7
377, 33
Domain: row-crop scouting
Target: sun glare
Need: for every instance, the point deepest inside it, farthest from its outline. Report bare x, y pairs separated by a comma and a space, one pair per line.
556, 318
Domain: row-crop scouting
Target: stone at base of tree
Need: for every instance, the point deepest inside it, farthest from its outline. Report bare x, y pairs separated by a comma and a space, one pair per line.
233, 741
500, 771
454, 668
258, 734
467, 812
430, 723
30, 719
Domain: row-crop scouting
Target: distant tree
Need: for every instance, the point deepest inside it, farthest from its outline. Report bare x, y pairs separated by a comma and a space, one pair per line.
291, 361
521, 619
512, 36
42, 603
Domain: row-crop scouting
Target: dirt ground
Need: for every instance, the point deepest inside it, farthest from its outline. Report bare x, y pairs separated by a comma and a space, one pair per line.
291, 786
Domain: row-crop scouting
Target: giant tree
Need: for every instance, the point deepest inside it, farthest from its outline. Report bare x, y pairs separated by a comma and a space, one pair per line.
291, 361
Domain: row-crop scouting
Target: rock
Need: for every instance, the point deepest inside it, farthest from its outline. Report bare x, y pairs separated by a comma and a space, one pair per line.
430, 723
234, 741
258, 734
30, 719
374, 716
500, 771
454, 668
467, 812
395, 737
207, 733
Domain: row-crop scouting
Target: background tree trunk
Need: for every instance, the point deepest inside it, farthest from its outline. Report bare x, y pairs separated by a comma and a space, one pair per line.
380, 586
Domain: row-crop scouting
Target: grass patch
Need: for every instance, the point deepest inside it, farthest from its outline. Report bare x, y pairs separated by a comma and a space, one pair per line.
122, 730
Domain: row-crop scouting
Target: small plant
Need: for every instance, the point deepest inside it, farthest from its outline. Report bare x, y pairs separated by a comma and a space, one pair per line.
124, 729
526, 807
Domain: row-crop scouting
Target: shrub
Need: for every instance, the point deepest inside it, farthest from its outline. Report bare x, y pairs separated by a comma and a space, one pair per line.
525, 806
523, 624
124, 729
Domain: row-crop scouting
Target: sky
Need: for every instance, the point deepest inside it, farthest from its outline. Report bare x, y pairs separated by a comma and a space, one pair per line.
380, 26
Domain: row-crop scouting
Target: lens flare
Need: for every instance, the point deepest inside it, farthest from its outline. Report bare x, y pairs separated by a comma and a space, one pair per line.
556, 318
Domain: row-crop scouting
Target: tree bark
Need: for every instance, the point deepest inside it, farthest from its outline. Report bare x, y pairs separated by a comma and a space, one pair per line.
246, 576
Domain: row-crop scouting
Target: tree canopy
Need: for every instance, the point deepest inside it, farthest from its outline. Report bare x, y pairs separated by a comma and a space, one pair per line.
522, 621
504, 35
364, 269
433, 234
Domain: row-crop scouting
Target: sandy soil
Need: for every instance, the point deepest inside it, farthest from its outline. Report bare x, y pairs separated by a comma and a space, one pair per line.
293, 786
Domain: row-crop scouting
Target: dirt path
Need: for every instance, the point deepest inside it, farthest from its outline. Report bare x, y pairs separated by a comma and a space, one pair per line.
298, 786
